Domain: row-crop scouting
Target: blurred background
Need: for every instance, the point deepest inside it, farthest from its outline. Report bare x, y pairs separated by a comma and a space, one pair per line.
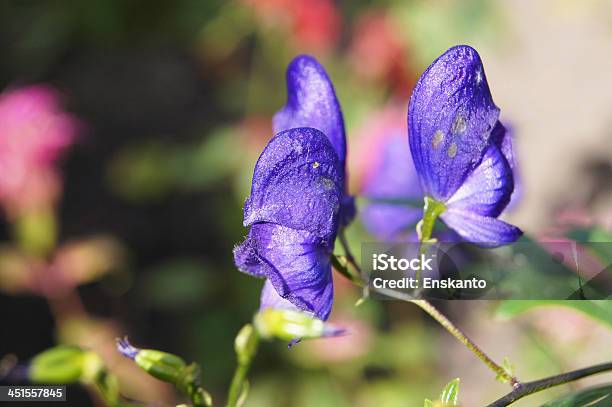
125, 220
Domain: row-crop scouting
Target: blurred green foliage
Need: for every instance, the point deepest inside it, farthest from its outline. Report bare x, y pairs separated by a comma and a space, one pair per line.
600, 311
600, 396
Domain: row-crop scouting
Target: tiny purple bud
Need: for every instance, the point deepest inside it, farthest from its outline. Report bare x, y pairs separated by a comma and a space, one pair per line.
126, 349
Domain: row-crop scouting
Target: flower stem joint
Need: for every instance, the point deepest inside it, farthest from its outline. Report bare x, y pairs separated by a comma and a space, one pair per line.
161, 365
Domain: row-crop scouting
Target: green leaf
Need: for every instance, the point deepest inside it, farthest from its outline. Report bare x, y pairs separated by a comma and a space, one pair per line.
600, 310
450, 394
600, 396
428, 403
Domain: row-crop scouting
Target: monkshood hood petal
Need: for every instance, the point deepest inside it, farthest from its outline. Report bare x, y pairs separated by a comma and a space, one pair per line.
297, 183
312, 102
503, 137
296, 264
293, 212
450, 119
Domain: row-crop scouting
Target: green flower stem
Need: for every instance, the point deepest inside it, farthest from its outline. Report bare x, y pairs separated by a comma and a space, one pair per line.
431, 215
340, 264
461, 337
238, 383
349, 255
246, 345
431, 211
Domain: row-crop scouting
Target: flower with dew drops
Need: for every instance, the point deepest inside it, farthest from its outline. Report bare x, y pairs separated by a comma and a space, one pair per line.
293, 212
312, 102
457, 145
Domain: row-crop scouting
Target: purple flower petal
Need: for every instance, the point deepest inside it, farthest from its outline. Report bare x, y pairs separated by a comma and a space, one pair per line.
392, 182
246, 259
312, 102
297, 183
450, 119
298, 267
487, 189
503, 137
484, 231
271, 299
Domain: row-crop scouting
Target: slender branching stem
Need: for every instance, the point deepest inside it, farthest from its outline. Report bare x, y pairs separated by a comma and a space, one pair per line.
525, 389
453, 330
349, 254
461, 337
520, 390
435, 314
245, 345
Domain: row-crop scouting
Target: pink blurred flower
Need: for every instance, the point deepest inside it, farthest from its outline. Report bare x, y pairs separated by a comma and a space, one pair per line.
371, 137
34, 131
379, 52
314, 25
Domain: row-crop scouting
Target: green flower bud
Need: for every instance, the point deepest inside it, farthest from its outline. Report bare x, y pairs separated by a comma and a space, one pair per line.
289, 325
58, 365
162, 365
245, 344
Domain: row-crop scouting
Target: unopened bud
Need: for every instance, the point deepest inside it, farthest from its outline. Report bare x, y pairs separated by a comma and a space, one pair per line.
245, 344
289, 325
59, 365
162, 365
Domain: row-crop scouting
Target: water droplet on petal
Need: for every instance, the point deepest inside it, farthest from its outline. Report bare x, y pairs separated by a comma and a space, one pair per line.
438, 137
327, 183
315, 165
452, 150
459, 125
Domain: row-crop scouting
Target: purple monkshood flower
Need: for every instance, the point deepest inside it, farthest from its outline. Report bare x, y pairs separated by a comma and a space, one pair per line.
457, 145
312, 102
393, 189
293, 212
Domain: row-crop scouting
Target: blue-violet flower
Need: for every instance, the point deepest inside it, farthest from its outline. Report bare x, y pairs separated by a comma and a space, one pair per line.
293, 212
457, 145
312, 102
